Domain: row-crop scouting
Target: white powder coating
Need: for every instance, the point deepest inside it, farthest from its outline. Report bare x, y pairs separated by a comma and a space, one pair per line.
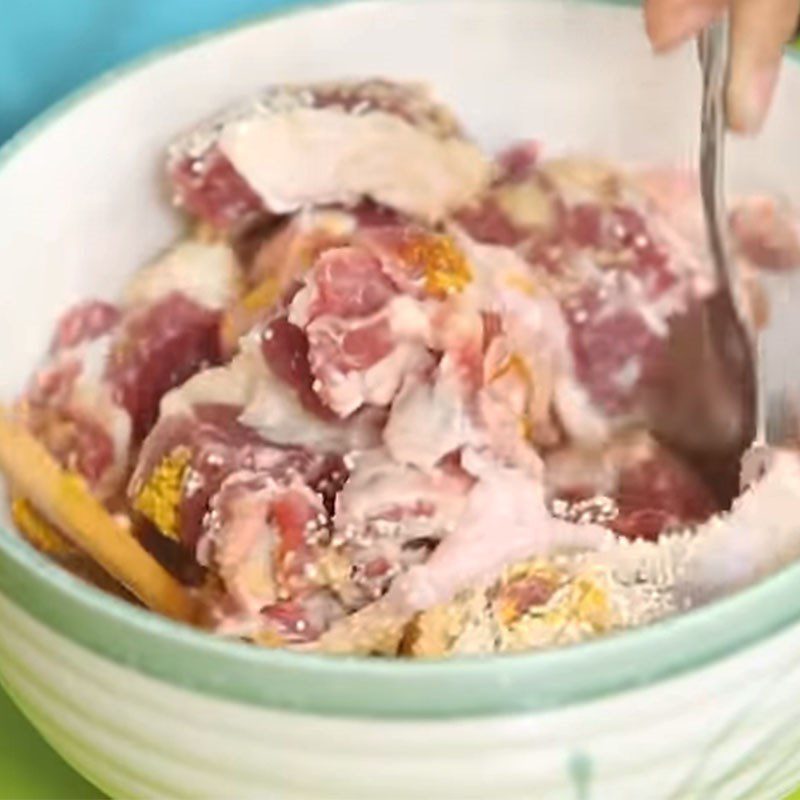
203, 272
429, 420
757, 537
760, 535
269, 405
641, 581
295, 155
319, 156
378, 484
502, 282
505, 520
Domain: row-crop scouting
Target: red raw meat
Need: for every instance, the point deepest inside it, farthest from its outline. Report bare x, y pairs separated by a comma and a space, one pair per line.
613, 344
218, 445
263, 540
590, 242
343, 312
347, 312
518, 162
369, 214
651, 487
658, 492
77, 441
522, 210
285, 350
209, 187
71, 427
158, 349
83, 323
284, 253
349, 282
585, 224
630, 247
337, 346
612, 351
490, 224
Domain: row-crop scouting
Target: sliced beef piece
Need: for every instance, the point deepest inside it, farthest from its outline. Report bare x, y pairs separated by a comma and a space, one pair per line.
186, 458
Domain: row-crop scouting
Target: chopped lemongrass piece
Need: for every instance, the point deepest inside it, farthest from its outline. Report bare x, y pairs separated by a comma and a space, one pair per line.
37, 530
64, 500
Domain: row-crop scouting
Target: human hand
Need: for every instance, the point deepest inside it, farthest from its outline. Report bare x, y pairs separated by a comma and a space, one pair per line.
760, 29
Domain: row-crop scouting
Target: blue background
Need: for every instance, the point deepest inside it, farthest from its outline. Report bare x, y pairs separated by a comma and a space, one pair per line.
48, 47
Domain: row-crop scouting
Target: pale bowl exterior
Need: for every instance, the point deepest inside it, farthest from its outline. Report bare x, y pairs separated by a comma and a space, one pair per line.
727, 731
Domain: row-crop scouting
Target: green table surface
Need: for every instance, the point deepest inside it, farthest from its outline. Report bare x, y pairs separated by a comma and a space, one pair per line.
29, 768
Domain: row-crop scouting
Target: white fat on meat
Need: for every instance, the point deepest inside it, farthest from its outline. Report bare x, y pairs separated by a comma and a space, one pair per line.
584, 422
505, 520
97, 402
241, 541
433, 413
233, 384
274, 411
269, 405
730, 551
91, 395
344, 392
204, 272
429, 419
760, 535
379, 487
410, 319
324, 156
503, 283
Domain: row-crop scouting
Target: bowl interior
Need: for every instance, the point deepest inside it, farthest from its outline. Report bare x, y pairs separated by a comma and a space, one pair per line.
84, 205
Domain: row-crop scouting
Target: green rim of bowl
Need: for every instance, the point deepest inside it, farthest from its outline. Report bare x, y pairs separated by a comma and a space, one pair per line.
377, 688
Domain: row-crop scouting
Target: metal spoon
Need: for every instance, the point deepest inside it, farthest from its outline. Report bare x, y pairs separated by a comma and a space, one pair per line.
708, 402
742, 347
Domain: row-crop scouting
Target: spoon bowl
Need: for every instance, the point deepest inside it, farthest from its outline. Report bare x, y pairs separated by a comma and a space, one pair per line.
707, 400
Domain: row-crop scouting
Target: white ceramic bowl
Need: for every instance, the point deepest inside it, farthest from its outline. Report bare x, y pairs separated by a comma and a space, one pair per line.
706, 705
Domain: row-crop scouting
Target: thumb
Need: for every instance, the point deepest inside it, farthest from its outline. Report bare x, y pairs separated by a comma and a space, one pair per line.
760, 29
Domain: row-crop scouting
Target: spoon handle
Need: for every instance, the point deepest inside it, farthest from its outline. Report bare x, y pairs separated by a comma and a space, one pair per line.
713, 45
713, 48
